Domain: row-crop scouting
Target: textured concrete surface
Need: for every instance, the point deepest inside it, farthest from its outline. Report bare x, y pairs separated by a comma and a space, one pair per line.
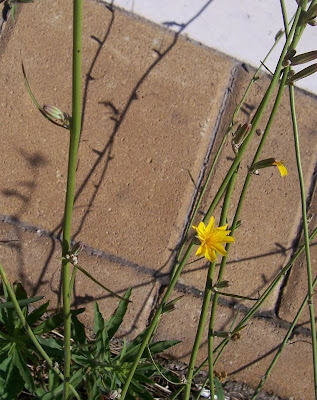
33, 258
265, 238
247, 358
153, 104
295, 289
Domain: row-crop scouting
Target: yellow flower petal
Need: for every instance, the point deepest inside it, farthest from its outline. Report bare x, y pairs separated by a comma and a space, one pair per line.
210, 254
212, 239
211, 225
220, 249
281, 167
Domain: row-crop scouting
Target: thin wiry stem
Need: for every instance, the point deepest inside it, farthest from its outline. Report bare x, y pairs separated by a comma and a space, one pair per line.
306, 236
223, 220
259, 302
310, 283
71, 181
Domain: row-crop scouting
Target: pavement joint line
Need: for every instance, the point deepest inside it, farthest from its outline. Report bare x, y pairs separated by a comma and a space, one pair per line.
214, 133
11, 220
268, 316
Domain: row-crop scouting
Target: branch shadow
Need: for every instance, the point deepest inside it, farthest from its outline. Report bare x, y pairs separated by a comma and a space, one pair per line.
105, 155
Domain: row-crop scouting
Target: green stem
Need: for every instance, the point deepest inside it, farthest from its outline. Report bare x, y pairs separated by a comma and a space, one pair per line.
306, 236
71, 181
255, 121
155, 319
224, 259
260, 301
223, 142
206, 302
216, 295
304, 214
282, 345
203, 191
29, 330
200, 329
216, 200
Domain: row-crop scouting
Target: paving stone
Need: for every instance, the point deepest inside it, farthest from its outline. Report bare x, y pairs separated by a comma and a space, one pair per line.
295, 289
35, 261
246, 359
271, 212
151, 103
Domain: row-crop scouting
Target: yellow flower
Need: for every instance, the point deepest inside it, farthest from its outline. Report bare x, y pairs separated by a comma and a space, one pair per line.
281, 167
211, 239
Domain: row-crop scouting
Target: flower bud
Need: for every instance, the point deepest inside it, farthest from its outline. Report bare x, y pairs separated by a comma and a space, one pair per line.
77, 248
304, 58
239, 136
56, 114
53, 112
279, 34
307, 17
288, 57
302, 74
269, 162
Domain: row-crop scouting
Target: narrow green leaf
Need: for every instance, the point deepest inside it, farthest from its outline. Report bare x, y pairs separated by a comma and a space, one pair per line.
21, 364
113, 324
53, 322
99, 322
13, 384
75, 380
219, 390
53, 380
158, 347
9, 304
36, 314
79, 333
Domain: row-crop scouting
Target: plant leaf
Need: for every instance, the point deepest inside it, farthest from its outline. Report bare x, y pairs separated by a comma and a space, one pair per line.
99, 322
53, 322
79, 333
75, 380
21, 364
52, 347
158, 347
36, 314
113, 324
9, 304
219, 390
14, 384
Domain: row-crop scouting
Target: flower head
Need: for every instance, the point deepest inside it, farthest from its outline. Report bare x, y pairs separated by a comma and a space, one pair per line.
211, 239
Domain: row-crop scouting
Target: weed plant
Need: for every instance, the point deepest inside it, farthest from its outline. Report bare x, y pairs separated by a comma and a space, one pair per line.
53, 357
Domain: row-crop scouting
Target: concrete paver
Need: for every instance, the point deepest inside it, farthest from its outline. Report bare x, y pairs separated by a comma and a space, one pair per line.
246, 359
271, 212
35, 261
151, 103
